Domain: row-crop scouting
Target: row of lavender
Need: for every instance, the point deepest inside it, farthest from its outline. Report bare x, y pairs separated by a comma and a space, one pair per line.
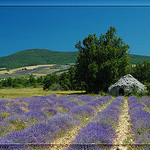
39, 126
140, 121
24, 112
146, 101
100, 132
17, 114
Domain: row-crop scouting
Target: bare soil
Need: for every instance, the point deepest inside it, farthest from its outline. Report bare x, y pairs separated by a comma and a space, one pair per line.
123, 129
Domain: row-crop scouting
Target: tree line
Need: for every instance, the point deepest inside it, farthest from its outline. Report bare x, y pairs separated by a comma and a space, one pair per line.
69, 81
21, 82
65, 81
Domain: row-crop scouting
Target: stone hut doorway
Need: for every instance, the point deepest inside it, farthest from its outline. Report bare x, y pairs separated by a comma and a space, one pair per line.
121, 92
124, 86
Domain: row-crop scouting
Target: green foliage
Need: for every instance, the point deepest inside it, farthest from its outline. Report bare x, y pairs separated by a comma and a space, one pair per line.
40, 80
141, 71
134, 90
33, 57
72, 80
54, 87
21, 82
64, 81
32, 79
101, 61
148, 87
49, 80
74, 84
139, 59
42, 56
102, 93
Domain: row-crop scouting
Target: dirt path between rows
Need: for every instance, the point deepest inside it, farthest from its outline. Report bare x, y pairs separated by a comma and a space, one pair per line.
123, 130
69, 136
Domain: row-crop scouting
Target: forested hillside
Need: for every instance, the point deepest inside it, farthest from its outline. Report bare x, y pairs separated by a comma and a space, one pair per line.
33, 57
43, 56
139, 58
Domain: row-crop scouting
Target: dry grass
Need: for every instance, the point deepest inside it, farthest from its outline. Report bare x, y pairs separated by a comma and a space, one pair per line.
28, 92
27, 67
39, 74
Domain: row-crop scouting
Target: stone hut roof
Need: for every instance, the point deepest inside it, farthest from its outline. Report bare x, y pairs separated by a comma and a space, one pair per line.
125, 85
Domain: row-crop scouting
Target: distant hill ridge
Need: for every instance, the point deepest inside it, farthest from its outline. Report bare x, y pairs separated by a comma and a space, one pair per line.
33, 57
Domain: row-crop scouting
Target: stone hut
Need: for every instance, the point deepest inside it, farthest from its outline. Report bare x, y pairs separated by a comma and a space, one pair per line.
125, 85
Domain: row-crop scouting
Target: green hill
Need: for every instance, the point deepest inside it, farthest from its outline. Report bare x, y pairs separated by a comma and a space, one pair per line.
33, 57
139, 58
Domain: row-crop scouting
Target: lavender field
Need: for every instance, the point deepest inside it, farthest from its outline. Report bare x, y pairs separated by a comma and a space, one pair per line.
74, 122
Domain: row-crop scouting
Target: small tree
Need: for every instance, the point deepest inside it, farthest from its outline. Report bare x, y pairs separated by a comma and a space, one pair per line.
64, 81
101, 61
32, 79
9, 82
49, 80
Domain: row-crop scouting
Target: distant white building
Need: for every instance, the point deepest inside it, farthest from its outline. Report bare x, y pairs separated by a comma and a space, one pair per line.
125, 85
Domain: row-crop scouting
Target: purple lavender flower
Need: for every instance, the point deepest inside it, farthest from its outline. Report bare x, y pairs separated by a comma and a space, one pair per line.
62, 100
3, 101
95, 103
2, 118
50, 111
15, 117
7, 144
83, 111
96, 132
21, 137
35, 106
71, 104
117, 101
68, 105
135, 107
3, 108
15, 108
93, 134
105, 99
101, 129
85, 98
38, 115
3, 127
146, 100
132, 100
140, 120
42, 130
63, 121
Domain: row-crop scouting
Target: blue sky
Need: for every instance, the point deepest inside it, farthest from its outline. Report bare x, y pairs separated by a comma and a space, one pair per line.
60, 28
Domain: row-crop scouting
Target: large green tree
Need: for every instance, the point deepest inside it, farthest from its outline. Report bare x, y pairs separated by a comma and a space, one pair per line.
101, 61
141, 71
